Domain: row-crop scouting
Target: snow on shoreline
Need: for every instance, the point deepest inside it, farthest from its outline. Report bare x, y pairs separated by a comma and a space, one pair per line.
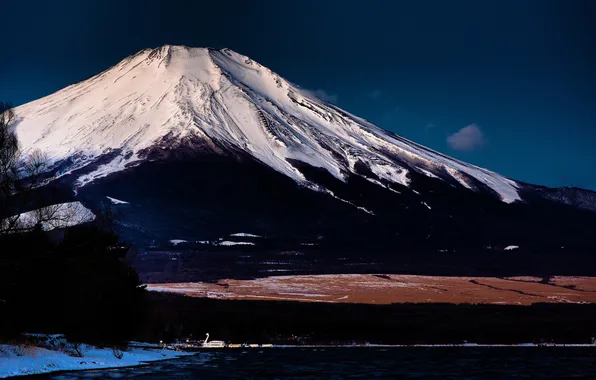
37, 360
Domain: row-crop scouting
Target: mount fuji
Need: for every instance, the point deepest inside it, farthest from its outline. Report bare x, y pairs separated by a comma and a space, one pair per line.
194, 145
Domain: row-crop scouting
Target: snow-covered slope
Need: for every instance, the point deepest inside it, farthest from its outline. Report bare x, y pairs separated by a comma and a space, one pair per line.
174, 95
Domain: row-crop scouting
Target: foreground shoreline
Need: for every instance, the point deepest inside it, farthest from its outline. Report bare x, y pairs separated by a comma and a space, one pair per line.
31, 360
39, 365
463, 345
363, 362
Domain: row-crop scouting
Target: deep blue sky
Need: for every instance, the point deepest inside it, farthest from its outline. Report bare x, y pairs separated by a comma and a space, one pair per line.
524, 72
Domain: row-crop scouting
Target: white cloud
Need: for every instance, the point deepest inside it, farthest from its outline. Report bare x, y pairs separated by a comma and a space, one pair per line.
323, 95
467, 139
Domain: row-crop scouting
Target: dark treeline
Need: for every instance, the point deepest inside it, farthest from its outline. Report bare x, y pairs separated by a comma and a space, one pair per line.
180, 317
72, 280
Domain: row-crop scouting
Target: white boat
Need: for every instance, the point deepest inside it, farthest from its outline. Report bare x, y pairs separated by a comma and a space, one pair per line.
213, 343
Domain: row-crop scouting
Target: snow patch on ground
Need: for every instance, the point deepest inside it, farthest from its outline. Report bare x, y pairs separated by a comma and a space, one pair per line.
60, 215
231, 243
391, 173
348, 202
117, 201
178, 241
244, 234
511, 247
428, 174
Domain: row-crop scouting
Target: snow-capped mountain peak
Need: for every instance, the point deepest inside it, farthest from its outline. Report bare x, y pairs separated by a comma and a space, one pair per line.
174, 94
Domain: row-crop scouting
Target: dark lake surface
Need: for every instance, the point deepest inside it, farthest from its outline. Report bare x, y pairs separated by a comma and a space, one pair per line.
365, 363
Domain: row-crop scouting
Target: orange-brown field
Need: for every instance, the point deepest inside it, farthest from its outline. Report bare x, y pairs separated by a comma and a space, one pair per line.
386, 289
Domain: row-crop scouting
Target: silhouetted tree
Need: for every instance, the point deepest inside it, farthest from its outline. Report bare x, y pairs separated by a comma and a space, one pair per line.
9, 149
80, 284
20, 174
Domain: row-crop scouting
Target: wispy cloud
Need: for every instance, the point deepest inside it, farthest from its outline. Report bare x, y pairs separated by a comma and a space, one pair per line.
374, 95
325, 96
467, 139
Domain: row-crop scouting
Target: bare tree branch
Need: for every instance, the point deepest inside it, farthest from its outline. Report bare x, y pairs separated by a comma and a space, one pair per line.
20, 174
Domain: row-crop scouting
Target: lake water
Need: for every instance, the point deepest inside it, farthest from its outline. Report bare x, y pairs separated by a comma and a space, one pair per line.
365, 363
